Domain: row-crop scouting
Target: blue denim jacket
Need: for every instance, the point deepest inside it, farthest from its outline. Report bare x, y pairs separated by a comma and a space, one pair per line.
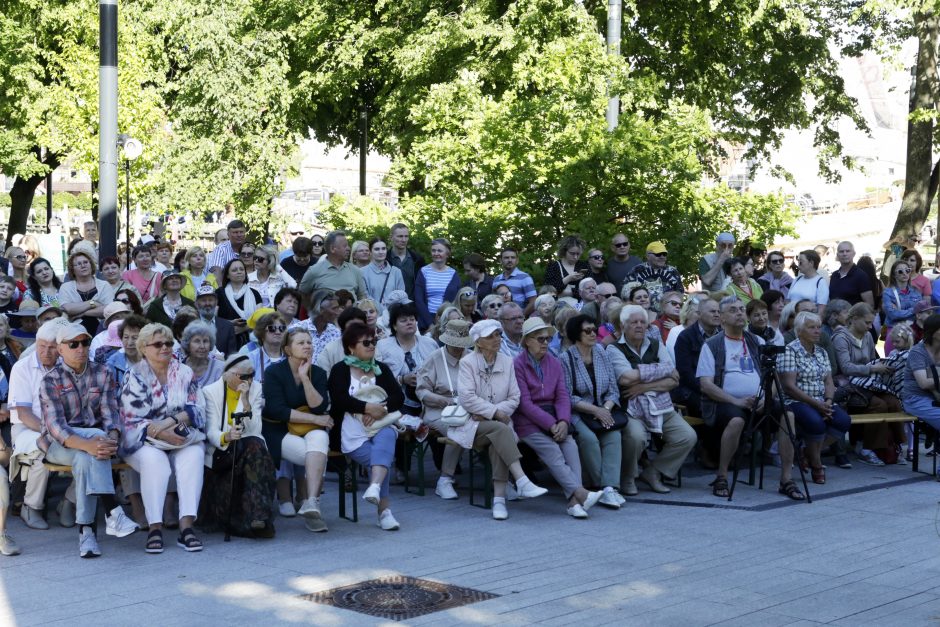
899, 304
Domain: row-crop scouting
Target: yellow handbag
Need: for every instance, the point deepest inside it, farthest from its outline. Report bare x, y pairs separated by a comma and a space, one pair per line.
301, 428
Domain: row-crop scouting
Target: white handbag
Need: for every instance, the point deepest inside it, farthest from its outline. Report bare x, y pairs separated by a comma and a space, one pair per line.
453, 415
371, 393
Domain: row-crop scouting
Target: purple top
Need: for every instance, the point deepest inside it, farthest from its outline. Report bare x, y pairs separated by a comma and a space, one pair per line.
550, 389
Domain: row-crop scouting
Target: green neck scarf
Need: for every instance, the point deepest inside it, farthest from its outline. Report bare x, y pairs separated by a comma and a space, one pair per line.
365, 366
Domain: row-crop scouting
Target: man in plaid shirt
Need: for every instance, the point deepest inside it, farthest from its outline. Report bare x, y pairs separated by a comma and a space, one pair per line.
80, 428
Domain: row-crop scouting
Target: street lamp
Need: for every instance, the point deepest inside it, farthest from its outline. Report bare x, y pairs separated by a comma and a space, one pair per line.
132, 150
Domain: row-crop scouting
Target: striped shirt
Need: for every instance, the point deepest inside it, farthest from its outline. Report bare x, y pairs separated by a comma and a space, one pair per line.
519, 283
435, 285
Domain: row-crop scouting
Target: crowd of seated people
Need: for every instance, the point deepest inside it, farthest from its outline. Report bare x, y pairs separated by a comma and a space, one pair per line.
225, 381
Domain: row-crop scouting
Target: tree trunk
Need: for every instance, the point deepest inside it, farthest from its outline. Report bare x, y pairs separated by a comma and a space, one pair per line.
22, 194
915, 204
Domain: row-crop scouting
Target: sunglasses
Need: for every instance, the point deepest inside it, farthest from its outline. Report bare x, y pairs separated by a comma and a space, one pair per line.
902, 271
598, 257
247, 255
495, 305
19, 257
126, 301
603, 295
468, 294
276, 328
621, 244
164, 344
317, 243
261, 259
76, 343
660, 254
296, 232
542, 339
775, 261
589, 330
368, 343
247, 376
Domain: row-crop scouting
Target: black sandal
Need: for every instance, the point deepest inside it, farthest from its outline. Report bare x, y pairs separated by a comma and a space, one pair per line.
154, 542
790, 490
720, 487
188, 541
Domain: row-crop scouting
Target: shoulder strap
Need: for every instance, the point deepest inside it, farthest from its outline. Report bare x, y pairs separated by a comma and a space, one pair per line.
450, 383
384, 285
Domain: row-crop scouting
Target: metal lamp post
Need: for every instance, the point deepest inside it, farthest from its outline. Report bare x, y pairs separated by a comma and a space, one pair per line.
132, 149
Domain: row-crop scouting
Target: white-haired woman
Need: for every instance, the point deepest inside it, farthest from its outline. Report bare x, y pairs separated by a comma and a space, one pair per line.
268, 277
163, 434
808, 388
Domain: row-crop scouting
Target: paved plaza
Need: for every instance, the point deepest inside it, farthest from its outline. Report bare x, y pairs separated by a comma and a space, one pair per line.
866, 551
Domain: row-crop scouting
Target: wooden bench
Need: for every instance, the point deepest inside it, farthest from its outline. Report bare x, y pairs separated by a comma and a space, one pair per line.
68, 469
870, 419
477, 457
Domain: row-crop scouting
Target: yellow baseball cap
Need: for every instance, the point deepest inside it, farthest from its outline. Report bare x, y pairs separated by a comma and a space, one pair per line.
656, 247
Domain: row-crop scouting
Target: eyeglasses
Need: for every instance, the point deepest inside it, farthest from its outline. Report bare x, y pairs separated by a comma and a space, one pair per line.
276, 328
261, 259
513, 319
589, 330
317, 243
367, 343
599, 295
76, 343
161, 345
660, 254
19, 257
598, 257
621, 244
247, 376
542, 339
674, 303
775, 261
494, 305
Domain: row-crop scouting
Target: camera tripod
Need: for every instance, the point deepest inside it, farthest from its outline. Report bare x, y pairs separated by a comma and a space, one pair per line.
771, 392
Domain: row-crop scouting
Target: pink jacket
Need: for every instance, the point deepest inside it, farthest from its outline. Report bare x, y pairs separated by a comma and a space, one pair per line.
529, 418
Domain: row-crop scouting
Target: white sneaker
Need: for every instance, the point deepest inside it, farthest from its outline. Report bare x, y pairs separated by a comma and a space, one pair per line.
511, 494
528, 490
445, 489
88, 544
609, 499
592, 499
387, 521
576, 511
8, 545
310, 508
286, 509
119, 524
499, 510
373, 493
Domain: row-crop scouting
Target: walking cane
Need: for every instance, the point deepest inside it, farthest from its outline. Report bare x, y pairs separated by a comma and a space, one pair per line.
237, 419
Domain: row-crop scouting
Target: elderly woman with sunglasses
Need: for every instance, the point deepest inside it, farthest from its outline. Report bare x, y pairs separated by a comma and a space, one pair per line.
269, 331
594, 394
164, 433
543, 418
899, 298
268, 277
491, 305
374, 451
241, 482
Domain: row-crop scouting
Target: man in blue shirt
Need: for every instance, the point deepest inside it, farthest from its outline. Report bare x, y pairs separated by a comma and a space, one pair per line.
519, 283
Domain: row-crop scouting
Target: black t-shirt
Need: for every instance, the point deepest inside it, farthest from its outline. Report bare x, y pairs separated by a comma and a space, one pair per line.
295, 269
851, 287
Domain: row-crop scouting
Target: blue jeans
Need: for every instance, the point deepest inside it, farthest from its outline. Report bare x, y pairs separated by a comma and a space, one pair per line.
811, 424
92, 476
922, 407
379, 450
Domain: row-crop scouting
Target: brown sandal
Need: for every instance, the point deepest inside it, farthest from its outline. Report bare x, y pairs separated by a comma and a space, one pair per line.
819, 475
790, 490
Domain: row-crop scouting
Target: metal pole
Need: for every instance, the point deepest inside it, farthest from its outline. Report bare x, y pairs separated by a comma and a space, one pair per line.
127, 194
107, 134
48, 201
614, 14
363, 148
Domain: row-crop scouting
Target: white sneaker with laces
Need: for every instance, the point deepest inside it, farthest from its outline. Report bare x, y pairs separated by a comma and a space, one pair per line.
869, 457
609, 499
88, 544
286, 509
119, 524
499, 510
576, 511
445, 489
373, 493
387, 521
